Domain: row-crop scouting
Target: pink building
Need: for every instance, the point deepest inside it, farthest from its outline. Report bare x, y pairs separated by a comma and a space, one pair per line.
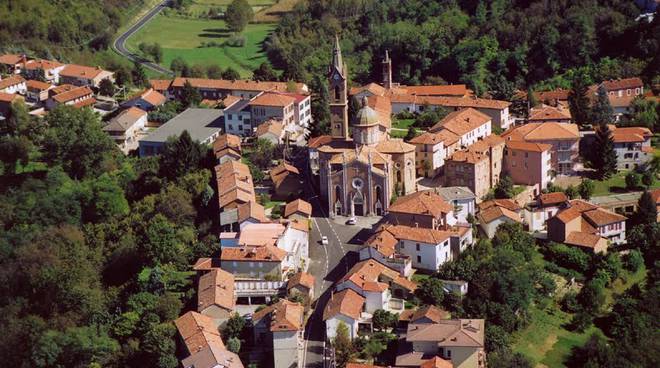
564, 139
529, 164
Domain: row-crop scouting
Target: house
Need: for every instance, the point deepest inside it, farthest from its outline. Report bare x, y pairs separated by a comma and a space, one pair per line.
203, 125
587, 226
545, 207
80, 75
492, 147
46, 70
298, 209
214, 89
468, 124
424, 208
381, 246
147, 100
549, 114
227, 147
279, 327
215, 295
203, 343
312, 146
6, 100
301, 283
124, 128
529, 164
430, 153
455, 286
554, 97
286, 180
37, 91
234, 184
238, 118
343, 307
269, 105
460, 341
564, 139
13, 84
632, 146
271, 130
424, 314
462, 199
250, 213
468, 169
427, 248
377, 283
624, 87
78, 97
302, 108
496, 109
12, 63
495, 212
255, 263
160, 85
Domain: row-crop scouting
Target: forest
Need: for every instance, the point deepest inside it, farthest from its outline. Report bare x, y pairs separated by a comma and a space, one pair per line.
493, 46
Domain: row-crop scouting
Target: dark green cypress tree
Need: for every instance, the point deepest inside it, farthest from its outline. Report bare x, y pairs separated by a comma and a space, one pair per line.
647, 212
602, 112
578, 99
604, 158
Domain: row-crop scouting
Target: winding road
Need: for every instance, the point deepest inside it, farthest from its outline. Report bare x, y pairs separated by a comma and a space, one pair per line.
120, 43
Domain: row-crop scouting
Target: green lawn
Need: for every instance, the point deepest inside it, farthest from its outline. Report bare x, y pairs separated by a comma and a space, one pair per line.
403, 123
615, 184
182, 37
202, 6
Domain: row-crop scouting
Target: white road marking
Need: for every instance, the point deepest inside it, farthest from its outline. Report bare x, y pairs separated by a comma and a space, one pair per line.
325, 249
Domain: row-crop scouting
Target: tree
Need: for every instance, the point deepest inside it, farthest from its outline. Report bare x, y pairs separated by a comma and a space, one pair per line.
632, 180
571, 192
17, 121
262, 154
264, 72
230, 74
504, 188
234, 345
320, 110
648, 178
344, 350
646, 213
633, 260
180, 67
213, 71
75, 141
238, 14
602, 112
123, 76
138, 75
384, 320
430, 291
106, 87
14, 151
594, 353
354, 107
604, 158
157, 52
578, 99
531, 98
586, 189
412, 133
644, 112
234, 327
190, 97
180, 156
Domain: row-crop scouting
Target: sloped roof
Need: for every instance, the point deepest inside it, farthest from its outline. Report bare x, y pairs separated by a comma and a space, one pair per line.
42, 64
346, 302
542, 132
225, 141
545, 113
583, 239
374, 88
267, 253
394, 145
383, 241
616, 84
212, 356
552, 199
437, 362
371, 270
424, 202
197, 331
125, 119
273, 100
281, 171
449, 333
240, 85
272, 126
12, 80
495, 212
506, 203
81, 71
38, 85
419, 234
528, 146
284, 316
11, 59
430, 312
298, 205
467, 156
73, 94
216, 287
253, 210
259, 235
319, 141
300, 279
462, 121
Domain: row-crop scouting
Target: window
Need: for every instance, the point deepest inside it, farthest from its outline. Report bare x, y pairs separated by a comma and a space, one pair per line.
417, 247
419, 259
448, 353
337, 93
233, 263
251, 264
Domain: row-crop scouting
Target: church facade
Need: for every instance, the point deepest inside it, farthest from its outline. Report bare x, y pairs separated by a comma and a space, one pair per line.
361, 167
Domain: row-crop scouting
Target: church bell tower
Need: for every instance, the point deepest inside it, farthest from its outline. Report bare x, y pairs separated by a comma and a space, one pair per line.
387, 71
337, 75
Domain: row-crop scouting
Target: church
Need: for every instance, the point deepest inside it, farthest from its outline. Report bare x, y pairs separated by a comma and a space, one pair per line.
360, 166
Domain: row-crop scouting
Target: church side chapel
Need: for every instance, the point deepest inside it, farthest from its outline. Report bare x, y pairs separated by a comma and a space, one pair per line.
361, 168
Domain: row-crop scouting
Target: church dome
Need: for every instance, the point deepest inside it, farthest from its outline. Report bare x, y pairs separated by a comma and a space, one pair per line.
366, 116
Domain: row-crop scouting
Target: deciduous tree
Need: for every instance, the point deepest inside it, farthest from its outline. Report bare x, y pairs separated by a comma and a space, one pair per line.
238, 14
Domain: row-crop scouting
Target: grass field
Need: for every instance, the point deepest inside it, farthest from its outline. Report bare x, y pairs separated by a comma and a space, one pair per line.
202, 6
403, 123
181, 37
616, 184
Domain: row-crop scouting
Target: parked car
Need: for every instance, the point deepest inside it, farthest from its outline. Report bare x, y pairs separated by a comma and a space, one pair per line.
324, 240
351, 221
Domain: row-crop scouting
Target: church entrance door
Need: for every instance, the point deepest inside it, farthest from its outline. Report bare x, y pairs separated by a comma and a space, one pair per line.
358, 204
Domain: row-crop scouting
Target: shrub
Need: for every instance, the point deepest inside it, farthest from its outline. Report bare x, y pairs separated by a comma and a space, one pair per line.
569, 257
580, 322
633, 260
570, 303
632, 181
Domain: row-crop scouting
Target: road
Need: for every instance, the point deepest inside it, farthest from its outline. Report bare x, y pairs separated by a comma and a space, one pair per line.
120, 43
328, 263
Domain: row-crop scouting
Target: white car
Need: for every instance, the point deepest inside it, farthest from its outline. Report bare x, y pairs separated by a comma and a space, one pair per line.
351, 221
324, 240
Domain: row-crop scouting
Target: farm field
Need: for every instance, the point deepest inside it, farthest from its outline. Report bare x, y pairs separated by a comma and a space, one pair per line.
202, 6
182, 37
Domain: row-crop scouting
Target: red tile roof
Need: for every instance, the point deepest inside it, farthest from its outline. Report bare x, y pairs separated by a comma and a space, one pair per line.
300, 279
236, 85
462, 121
216, 288
627, 83
528, 146
73, 94
38, 85
272, 100
11, 81
80, 71
346, 302
298, 205
542, 131
266, 253
424, 202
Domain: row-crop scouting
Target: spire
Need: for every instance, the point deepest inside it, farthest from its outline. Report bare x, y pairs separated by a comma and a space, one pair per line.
337, 60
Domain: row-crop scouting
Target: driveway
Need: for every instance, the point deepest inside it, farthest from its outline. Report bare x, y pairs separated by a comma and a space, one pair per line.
120, 43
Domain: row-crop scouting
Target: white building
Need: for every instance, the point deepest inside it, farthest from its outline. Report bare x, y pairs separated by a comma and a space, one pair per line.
546, 206
124, 128
13, 84
237, 117
462, 199
469, 125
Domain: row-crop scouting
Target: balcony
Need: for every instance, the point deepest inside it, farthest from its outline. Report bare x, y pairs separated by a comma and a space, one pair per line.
401, 263
396, 305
